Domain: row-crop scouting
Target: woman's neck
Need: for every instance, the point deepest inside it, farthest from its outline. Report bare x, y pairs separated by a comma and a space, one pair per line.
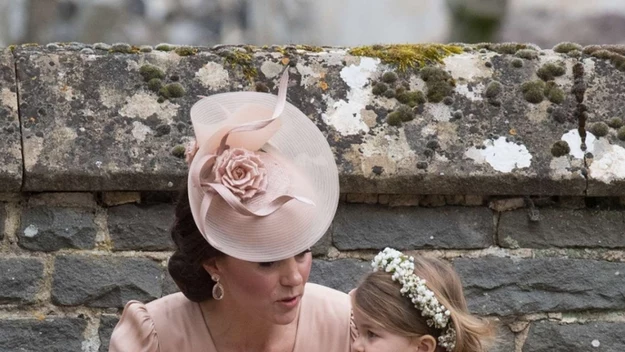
235, 330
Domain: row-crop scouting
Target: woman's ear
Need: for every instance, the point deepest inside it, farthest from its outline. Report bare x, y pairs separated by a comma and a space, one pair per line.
425, 343
211, 266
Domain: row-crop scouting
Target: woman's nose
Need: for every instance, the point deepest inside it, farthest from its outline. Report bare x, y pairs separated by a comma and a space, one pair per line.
291, 275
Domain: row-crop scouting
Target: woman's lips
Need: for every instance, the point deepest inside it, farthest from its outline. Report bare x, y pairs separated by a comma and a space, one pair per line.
290, 302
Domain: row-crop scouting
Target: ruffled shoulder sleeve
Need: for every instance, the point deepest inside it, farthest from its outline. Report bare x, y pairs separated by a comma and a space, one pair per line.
135, 331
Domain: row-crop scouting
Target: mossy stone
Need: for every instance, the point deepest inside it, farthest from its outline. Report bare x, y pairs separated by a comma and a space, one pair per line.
560, 148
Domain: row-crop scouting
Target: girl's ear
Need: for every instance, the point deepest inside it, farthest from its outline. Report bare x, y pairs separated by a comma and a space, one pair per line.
425, 343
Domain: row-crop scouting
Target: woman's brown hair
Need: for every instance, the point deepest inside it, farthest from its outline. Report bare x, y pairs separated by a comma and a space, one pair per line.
185, 265
379, 298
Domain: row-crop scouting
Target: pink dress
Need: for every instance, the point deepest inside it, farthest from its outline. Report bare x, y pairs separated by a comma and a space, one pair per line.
173, 323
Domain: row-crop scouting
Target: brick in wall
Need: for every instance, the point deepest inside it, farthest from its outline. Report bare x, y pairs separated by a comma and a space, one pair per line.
50, 334
547, 336
563, 228
340, 274
104, 281
51, 228
358, 226
508, 286
20, 279
138, 227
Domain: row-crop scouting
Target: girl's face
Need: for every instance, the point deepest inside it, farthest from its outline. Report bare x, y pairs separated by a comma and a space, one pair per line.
372, 338
271, 291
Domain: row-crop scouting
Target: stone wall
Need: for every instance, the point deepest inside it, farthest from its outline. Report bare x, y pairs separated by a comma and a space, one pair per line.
473, 172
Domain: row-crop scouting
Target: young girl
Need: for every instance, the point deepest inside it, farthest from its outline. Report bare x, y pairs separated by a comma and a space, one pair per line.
415, 305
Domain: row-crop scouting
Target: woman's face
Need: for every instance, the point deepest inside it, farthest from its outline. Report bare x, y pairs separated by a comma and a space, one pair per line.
271, 291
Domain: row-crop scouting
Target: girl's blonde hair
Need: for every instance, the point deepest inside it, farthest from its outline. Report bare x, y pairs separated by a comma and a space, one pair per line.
379, 298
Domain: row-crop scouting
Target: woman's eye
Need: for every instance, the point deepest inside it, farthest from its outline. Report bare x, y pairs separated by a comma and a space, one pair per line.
301, 255
267, 264
371, 334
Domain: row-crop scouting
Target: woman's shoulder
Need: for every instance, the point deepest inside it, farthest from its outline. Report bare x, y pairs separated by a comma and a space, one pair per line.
327, 303
149, 327
327, 317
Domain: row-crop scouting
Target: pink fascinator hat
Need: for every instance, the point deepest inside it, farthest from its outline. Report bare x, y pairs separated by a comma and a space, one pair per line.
263, 183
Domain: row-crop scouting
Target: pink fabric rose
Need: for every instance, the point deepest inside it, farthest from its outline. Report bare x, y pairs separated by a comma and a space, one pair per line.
190, 151
242, 172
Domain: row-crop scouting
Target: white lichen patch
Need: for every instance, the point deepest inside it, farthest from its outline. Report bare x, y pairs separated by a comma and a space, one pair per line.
575, 143
31, 231
467, 66
416, 83
391, 152
8, 99
213, 76
560, 168
271, 69
501, 155
110, 97
334, 57
608, 163
345, 115
143, 105
474, 93
140, 131
311, 73
439, 112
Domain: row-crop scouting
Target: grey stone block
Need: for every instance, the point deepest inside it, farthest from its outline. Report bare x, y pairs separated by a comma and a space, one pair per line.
104, 281
547, 336
3, 216
107, 324
563, 228
340, 274
504, 340
50, 229
169, 285
138, 227
505, 286
20, 279
10, 136
50, 335
322, 246
359, 226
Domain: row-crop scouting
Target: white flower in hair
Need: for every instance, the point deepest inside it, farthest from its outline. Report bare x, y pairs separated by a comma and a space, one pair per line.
415, 288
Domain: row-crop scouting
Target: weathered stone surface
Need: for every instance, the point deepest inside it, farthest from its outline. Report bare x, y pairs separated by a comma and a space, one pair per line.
10, 143
107, 324
505, 340
63, 199
546, 336
104, 281
51, 334
20, 279
118, 198
606, 155
340, 274
322, 246
169, 285
471, 143
563, 228
374, 227
52, 228
505, 286
136, 227
3, 216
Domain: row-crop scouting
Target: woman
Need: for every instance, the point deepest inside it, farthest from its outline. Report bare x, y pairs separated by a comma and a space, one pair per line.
262, 189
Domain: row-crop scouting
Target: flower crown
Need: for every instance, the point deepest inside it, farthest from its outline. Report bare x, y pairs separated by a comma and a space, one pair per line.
415, 288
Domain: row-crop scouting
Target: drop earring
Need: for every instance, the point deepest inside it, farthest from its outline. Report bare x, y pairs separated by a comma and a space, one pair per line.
218, 288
